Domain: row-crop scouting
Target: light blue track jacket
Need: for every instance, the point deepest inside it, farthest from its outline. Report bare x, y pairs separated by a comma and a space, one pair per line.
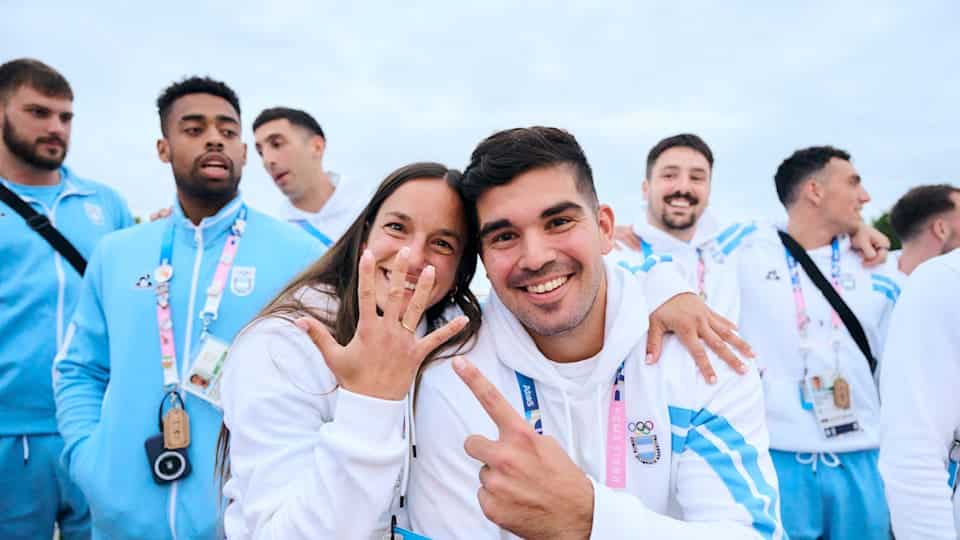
110, 381
39, 290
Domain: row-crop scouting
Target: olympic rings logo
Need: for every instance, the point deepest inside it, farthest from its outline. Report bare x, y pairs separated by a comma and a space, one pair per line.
642, 427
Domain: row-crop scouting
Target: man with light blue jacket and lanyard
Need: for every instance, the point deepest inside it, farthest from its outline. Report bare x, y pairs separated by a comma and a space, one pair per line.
38, 292
138, 387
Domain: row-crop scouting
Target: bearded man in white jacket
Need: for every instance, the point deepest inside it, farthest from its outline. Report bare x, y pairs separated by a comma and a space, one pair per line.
572, 434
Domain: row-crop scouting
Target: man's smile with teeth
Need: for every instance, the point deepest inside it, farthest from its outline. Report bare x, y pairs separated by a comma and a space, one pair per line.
679, 203
547, 286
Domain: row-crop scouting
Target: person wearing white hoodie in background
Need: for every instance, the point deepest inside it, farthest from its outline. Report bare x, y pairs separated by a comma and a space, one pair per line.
630, 449
315, 438
919, 416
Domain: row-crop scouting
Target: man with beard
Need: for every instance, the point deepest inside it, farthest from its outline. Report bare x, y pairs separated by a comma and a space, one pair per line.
38, 292
572, 434
160, 304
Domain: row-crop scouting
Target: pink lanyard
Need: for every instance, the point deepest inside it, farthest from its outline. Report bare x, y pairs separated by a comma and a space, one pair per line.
803, 319
164, 274
616, 424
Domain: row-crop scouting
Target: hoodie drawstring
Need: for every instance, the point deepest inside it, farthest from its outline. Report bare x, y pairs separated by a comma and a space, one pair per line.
829, 459
26, 450
569, 416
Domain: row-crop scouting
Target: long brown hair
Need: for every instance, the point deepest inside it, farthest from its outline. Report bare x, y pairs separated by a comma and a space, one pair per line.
336, 274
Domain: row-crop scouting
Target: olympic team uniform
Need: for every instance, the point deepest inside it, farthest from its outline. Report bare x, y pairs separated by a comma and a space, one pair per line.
707, 262
669, 456
329, 224
309, 459
38, 293
158, 305
920, 415
821, 400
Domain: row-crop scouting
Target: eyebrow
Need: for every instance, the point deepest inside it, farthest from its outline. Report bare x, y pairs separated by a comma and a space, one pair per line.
558, 208
201, 118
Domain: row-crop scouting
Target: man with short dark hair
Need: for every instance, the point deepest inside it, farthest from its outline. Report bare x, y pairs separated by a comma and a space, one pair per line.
291, 144
160, 305
594, 442
821, 399
38, 292
927, 221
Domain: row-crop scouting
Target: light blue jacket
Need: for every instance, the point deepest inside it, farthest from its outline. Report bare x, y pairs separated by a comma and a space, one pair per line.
39, 290
110, 381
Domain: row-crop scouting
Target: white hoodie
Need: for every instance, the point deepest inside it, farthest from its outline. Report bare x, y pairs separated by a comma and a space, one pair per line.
921, 413
332, 220
308, 459
718, 247
713, 476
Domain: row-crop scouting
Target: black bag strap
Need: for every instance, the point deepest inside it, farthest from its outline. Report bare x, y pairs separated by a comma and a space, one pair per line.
836, 301
44, 228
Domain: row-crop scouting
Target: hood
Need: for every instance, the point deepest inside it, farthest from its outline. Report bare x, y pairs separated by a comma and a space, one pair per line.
625, 329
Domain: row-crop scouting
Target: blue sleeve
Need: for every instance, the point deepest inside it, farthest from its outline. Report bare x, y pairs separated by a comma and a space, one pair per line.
123, 218
82, 366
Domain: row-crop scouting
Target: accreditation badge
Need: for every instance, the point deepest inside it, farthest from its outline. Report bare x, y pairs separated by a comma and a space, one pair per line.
203, 379
829, 395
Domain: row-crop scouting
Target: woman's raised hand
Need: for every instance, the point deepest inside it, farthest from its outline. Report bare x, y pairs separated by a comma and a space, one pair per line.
384, 355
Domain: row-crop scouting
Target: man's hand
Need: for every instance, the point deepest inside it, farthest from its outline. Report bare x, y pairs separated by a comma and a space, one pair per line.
384, 355
624, 235
872, 245
528, 484
691, 320
162, 213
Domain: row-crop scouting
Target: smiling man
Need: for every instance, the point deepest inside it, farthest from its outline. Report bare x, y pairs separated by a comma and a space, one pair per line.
291, 144
568, 432
160, 304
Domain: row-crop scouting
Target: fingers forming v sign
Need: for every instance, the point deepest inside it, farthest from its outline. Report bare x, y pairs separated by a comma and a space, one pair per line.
528, 484
384, 355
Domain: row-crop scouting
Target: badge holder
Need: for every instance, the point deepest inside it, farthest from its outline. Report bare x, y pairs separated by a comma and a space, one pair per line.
830, 396
206, 368
167, 451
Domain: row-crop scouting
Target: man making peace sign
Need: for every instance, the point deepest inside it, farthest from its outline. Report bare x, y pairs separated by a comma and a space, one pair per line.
571, 434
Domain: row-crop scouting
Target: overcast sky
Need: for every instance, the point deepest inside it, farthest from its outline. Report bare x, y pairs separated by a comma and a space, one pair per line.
427, 80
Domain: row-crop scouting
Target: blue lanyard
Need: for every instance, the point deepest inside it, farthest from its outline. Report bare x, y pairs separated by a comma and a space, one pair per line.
315, 232
645, 247
531, 404
166, 249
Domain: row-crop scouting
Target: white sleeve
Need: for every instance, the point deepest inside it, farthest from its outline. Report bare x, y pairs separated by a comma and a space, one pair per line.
662, 281
443, 480
725, 483
307, 461
919, 411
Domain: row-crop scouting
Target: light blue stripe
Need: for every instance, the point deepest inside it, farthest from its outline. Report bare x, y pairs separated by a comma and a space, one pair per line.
653, 260
886, 292
679, 418
722, 237
315, 232
632, 269
732, 244
645, 247
887, 281
763, 514
952, 474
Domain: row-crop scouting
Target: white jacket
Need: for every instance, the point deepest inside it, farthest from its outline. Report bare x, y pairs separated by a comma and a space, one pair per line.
713, 476
308, 459
331, 221
921, 413
768, 321
719, 248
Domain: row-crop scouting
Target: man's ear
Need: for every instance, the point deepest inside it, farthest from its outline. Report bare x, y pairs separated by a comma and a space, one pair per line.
163, 150
813, 190
243, 158
605, 221
940, 229
319, 145
645, 187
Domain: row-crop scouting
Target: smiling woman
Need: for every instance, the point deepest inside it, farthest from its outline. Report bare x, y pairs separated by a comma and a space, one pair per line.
316, 423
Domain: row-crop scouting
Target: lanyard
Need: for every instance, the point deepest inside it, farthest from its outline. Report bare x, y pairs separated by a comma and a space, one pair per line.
701, 267
616, 424
315, 232
211, 308
803, 319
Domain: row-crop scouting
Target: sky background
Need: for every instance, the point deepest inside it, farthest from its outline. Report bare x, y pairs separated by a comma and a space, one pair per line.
392, 84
